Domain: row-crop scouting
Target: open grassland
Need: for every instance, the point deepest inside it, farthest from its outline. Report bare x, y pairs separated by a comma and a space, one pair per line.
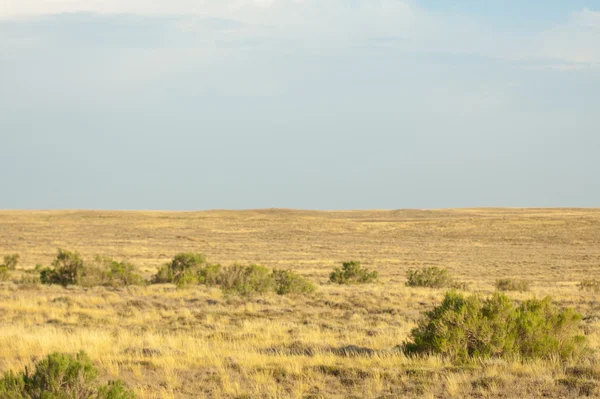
339, 342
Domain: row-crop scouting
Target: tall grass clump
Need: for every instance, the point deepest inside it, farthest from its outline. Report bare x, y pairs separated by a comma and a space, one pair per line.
61, 376
431, 277
352, 273
463, 327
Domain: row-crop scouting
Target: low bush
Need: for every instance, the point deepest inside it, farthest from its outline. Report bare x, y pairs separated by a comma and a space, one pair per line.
209, 275
118, 274
246, 280
431, 277
181, 271
67, 269
496, 327
10, 261
352, 273
590, 285
61, 376
509, 284
287, 282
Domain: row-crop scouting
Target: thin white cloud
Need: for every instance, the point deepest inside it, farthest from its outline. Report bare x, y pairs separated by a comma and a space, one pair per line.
400, 24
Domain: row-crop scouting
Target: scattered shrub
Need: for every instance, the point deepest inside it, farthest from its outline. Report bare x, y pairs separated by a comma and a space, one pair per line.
590, 285
509, 284
432, 277
209, 275
118, 274
496, 327
181, 271
67, 269
287, 282
246, 280
4, 273
352, 273
10, 261
61, 376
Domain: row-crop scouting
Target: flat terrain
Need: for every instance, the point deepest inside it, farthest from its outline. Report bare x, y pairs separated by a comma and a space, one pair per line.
337, 343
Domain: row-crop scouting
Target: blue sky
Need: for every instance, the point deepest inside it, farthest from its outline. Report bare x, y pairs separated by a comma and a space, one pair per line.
330, 104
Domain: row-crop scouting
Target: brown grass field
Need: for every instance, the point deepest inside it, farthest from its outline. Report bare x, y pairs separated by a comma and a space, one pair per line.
198, 343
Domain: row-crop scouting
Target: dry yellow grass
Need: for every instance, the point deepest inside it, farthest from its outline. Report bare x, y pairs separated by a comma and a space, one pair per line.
197, 343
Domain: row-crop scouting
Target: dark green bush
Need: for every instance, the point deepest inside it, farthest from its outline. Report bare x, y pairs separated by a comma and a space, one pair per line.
496, 327
431, 277
352, 273
246, 280
181, 271
10, 261
287, 282
68, 268
509, 284
61, 376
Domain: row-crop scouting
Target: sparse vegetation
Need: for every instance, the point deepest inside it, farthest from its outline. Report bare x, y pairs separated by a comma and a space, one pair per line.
4, 273
61, 376
339, 343
590, 285
509, 284
431, 277
10, 261
496, 327
352, 273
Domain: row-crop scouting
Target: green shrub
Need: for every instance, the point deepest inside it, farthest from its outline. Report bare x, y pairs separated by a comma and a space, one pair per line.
181, 271
496, 327
246, 280
68, 268
509, 284
287, 282
117, 274
590, 285
61, 376
209, 275
11, 261
431, 277
4, 273
352, 273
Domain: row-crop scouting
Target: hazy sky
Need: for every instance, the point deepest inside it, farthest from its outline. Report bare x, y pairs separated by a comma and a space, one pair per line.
317, 104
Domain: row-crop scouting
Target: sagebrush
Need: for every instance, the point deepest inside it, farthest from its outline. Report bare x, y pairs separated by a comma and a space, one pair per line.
431, 277
352, 273
61, 376
497, 327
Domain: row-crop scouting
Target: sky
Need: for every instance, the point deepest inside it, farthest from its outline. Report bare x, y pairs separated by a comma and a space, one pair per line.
311, 104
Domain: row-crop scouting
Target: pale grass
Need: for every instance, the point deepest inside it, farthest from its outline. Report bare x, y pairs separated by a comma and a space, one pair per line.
199, 343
